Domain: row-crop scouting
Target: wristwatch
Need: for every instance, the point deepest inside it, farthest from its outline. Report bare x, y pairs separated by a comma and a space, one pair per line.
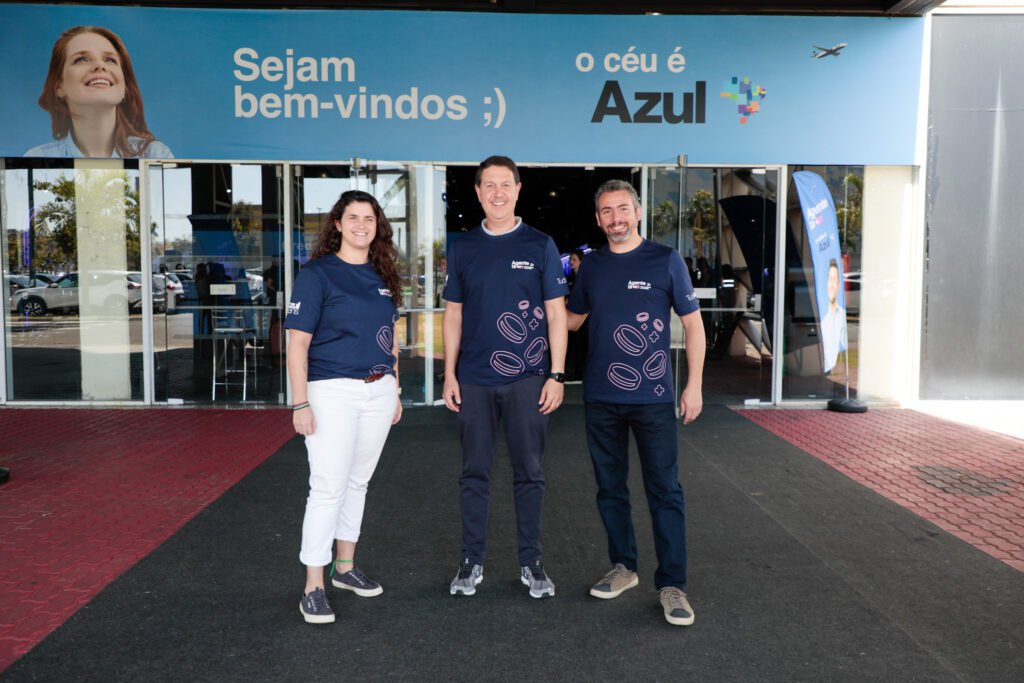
557, 376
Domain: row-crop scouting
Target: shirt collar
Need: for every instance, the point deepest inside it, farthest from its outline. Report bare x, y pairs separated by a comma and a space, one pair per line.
483, 224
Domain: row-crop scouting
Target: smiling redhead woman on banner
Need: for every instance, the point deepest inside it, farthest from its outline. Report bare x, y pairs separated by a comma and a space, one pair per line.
94, 101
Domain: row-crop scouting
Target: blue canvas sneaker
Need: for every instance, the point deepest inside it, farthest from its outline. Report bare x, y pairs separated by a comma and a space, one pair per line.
315, 608
356, 581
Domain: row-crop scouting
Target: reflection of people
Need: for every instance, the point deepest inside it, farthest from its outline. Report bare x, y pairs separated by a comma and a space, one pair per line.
627, 291
833, 323
343, 363
576, 353
505, 310
94, 101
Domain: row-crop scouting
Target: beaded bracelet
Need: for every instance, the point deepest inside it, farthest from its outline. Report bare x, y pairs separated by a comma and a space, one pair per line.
300, 406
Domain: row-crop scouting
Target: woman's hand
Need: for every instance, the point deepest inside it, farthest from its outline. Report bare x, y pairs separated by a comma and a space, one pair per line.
304, 422
398, 413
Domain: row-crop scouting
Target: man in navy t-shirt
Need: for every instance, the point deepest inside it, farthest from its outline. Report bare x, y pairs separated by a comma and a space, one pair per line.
627, 290
504, 346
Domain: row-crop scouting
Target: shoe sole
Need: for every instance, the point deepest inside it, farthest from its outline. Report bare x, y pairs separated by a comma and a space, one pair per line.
361, 592
550, 592
466, 591
316, 618
608, 595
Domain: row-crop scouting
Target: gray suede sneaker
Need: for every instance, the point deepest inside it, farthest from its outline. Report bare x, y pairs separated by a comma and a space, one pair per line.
315, 608
677, 607
538, 581
613, 583
465, 582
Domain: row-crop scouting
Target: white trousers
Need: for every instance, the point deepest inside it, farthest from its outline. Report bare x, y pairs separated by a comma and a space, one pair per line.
353, 419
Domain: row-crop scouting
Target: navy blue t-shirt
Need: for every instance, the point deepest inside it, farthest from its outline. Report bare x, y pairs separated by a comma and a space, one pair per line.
348, 310
629, 298
502, 282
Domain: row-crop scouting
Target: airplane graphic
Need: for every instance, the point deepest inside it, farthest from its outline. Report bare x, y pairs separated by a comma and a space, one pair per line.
826, 51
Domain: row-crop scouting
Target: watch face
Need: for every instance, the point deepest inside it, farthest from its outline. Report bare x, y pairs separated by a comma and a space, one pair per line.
557, 376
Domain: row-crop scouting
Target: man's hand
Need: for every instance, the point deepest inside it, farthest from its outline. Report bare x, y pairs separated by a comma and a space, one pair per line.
452, 394
551, 396
303, 421
690, 404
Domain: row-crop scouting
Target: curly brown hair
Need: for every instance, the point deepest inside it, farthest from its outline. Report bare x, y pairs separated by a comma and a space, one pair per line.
131, 119
383, 254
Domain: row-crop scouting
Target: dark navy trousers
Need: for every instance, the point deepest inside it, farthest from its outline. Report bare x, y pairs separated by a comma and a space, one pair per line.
654, 428
516, 406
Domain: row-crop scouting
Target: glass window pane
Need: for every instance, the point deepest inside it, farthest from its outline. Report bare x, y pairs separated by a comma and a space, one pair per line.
72, 238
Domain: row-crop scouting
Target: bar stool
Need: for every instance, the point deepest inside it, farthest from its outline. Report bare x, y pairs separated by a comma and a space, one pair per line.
230, 327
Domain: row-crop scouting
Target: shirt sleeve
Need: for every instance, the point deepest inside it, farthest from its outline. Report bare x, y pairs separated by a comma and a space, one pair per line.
554, 282
684, 299
452, 284
578, 302
306, 302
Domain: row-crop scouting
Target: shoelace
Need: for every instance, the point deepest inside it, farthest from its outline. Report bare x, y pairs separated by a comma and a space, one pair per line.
318, 601
537, 570
675, 599
359, 576
614, 574
465, 570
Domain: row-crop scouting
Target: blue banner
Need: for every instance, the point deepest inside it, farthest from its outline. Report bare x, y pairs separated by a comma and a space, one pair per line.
819, 213
444, 86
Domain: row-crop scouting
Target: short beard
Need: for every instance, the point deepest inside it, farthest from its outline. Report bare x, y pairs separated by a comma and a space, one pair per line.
624, 238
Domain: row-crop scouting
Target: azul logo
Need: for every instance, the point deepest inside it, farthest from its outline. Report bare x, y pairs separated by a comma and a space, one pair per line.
691, 296
562, 280
293, 308
814, 212
744, 93
522, 265
638, 284
383, 291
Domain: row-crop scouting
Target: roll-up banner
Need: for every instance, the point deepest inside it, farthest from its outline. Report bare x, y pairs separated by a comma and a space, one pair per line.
308, 85
823, 238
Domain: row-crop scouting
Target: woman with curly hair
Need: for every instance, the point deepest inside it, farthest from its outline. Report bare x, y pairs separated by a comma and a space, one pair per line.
94, 101
343, 363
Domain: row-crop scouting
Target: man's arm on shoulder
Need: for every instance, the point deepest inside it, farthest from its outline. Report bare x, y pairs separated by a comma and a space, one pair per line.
451, 331
692, 401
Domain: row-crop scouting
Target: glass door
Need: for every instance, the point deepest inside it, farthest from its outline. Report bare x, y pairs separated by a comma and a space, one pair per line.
722, 220
411, 196
217, 266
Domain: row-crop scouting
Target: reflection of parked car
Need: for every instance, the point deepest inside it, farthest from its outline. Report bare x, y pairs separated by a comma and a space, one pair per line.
852, 293
113, 290
174, 292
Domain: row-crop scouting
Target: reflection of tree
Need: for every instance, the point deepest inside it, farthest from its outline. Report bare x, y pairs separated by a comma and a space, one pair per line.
665, 218
849, 215
246, 222
700, 216
55, 223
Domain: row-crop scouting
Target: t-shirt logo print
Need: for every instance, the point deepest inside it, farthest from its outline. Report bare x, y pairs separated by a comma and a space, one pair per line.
293, 308
632, 341
517, 328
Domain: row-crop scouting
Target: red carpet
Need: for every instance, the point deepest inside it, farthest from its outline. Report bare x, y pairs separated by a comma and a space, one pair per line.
92, 491
962, 479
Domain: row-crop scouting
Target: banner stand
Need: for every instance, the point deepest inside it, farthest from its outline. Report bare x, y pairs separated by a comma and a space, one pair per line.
847, 405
